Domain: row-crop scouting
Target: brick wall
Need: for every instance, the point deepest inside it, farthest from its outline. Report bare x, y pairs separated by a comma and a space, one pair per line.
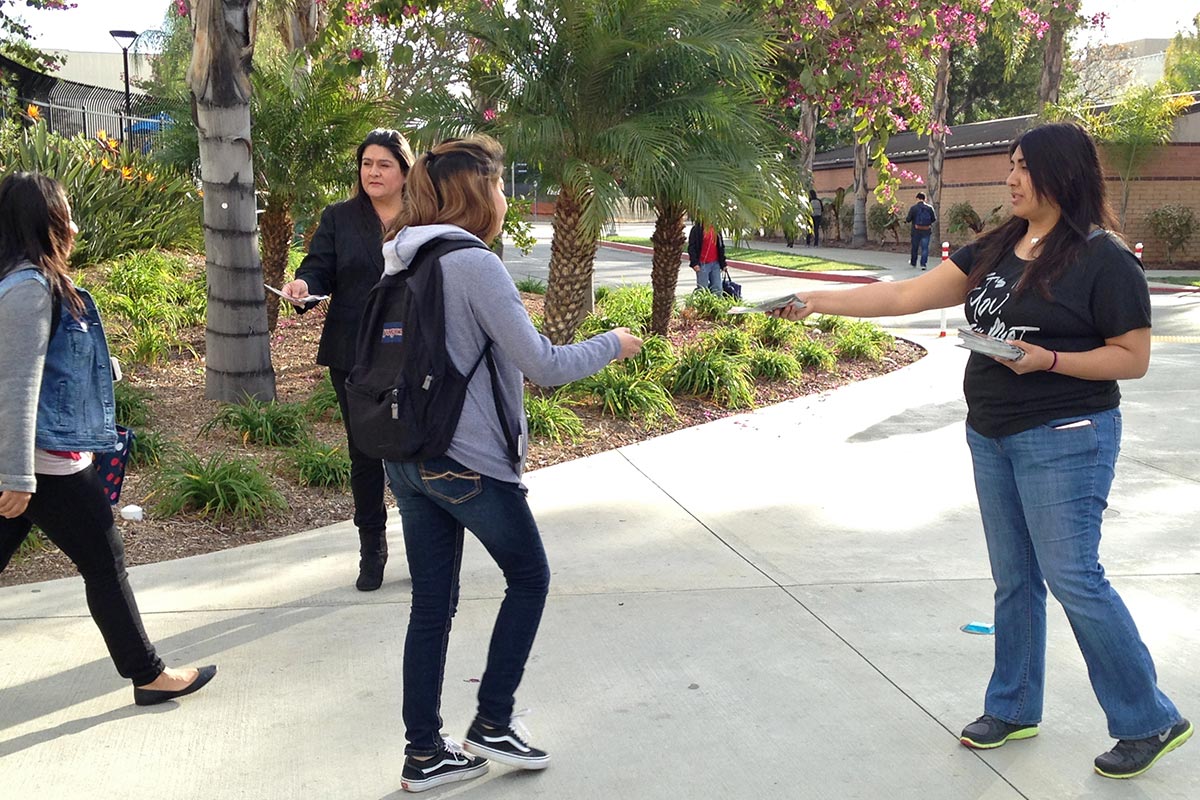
1170, 176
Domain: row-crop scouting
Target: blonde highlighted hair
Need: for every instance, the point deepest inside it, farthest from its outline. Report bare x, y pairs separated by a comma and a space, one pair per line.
452, 184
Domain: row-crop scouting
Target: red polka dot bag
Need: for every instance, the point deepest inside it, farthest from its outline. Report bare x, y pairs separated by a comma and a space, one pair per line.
111, 465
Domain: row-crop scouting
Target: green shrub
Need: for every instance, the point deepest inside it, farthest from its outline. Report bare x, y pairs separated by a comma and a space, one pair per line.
655, 359
539, 322
626, 394
731, 341
813, 354
323, 401
270, 423
862, 340
962, 217
593, 324
774, 365
881, 219
628, 307
600, 294
550, 418
830, 323
317, 464
712, 373
132, 404
1174, 225
709, 306
774, 332
531, 285
148, 449
221, 486
120, 199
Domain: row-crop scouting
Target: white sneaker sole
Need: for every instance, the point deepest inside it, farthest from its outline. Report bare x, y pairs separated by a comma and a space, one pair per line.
508, 759
442, 780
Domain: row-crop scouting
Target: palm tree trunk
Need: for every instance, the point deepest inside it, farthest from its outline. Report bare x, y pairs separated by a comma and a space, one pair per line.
1052, 65
275, 227
937, 142
569, 285
237, 346
861, 162
664, 272
300, 22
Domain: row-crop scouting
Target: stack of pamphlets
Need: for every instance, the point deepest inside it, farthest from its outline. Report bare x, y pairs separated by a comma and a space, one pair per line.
988, 345
312, 298
769, 305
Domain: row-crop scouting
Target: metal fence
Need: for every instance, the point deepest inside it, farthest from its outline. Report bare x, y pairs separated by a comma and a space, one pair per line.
139, 133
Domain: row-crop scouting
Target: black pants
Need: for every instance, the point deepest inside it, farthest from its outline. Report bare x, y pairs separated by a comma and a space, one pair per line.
367, 480
73, 512
814, 236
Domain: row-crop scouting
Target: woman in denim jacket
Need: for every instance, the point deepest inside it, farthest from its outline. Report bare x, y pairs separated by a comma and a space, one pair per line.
57, 406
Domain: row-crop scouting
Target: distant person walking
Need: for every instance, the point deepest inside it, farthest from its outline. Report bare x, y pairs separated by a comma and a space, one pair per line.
706, 253
1044, 430
921, 216
818, 212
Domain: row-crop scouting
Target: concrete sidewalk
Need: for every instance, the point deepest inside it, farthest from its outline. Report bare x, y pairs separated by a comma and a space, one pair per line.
767, 606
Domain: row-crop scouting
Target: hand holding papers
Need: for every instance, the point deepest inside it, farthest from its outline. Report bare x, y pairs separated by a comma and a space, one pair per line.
769, 305
303, 301
988, 345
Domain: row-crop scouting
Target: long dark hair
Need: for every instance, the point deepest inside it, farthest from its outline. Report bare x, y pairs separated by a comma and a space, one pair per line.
35, 226
1063, 167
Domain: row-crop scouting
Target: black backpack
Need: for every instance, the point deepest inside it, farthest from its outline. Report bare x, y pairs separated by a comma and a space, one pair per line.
404, 393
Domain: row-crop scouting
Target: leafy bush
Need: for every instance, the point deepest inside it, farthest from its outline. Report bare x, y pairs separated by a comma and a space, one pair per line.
655, 359
270, 423
814, 354
1174, 225
774, 365
962, 217
600, 294
712, 373
220, 486
880, 220
831, 323
317, 464
626, 394
120, 199
707, 305
862, 340
149, 448
323, 401
628, 307
774, 331
531, 285
132, 404
730, 341
550, 418
846, 218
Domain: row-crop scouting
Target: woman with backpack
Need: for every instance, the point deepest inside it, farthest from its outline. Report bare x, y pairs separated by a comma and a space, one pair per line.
455, 192
1044, 430
343, 261
57, 405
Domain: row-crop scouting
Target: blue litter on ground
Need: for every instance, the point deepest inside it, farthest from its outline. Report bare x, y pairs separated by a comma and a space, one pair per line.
981, 628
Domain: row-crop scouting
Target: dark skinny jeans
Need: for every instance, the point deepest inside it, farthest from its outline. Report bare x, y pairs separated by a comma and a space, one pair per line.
73, 512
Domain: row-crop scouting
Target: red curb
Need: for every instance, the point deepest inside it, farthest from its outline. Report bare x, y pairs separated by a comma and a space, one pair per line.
763, 269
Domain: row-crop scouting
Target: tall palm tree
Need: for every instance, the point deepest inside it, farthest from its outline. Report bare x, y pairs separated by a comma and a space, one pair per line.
573, 84
237, 347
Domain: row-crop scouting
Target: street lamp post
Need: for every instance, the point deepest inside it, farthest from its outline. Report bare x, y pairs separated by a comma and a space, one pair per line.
125, 40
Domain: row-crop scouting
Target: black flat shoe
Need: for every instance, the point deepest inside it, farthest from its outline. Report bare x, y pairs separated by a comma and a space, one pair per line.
151, 697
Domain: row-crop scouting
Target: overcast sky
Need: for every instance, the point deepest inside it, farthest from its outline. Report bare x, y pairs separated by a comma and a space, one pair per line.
86, 26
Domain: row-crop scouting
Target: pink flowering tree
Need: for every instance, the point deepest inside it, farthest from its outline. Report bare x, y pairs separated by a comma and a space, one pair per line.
16, 37
1044, 24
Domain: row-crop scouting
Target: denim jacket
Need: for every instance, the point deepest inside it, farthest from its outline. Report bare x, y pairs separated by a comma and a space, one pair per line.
76, 409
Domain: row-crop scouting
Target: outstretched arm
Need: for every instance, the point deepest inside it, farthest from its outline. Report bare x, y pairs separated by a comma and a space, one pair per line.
943, 286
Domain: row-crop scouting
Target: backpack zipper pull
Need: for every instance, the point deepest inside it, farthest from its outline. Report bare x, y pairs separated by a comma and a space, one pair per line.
428, 380
395, 404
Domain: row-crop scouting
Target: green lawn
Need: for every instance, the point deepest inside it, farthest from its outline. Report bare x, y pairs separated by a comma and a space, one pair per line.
1176, 279
770, 258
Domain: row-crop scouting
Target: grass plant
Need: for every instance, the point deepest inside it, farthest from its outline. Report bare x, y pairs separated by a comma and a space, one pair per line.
707, 372
550, 417
221, 486
270, 423
320, 465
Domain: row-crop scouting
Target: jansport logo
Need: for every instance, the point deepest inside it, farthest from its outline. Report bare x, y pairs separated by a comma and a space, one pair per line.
393, 332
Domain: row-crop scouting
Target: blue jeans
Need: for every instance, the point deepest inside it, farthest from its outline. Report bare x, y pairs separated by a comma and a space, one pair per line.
709, 277
438, 499
1042, 493
920, 242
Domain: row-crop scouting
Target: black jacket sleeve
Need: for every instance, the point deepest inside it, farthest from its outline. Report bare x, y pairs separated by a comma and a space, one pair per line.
721, 250
695, 239
319, 267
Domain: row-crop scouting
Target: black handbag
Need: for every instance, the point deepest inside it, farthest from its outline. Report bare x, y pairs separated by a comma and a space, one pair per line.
728, 287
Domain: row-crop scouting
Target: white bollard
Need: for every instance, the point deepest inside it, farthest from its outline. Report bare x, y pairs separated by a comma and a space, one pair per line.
945, 255
1137, 251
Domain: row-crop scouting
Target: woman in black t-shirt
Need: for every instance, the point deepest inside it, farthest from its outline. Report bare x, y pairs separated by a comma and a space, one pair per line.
1044, 430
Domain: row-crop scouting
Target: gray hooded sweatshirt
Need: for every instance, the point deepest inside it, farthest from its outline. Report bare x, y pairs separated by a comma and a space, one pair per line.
482, 303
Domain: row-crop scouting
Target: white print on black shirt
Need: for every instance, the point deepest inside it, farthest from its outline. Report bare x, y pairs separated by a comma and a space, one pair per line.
988, 301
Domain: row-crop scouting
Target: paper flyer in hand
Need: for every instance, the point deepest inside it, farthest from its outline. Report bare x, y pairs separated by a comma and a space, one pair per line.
988, 345
769, 305
312, 298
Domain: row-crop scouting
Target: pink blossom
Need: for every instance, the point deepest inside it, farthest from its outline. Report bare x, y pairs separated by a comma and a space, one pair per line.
356, 54
489, 114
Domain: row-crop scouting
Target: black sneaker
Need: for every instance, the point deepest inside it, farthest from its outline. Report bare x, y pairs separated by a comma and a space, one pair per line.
505, 745
988, 732
1134, 756
449, 765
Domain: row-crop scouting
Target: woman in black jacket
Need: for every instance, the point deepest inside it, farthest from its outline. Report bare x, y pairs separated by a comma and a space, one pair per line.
344, 261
